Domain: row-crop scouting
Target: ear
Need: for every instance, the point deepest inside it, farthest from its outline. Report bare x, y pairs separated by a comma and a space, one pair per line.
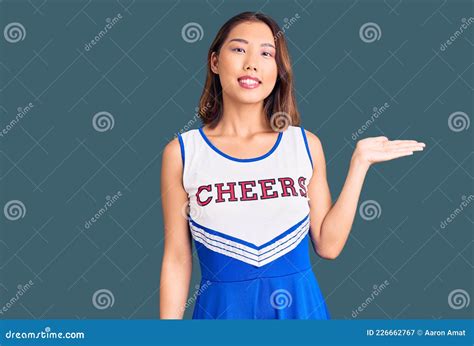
214, 63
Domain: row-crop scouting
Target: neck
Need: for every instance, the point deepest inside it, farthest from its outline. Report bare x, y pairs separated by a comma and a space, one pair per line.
243, 119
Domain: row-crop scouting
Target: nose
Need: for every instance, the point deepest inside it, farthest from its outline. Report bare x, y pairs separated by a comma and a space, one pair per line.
251, 60
250, 67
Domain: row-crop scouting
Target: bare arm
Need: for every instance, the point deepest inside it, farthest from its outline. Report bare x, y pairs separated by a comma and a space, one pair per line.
177, 258
331, 224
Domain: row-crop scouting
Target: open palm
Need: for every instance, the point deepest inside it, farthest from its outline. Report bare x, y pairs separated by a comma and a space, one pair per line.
378, 149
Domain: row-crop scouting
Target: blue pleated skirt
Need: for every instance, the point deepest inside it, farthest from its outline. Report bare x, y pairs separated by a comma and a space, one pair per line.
285, 288
293, 296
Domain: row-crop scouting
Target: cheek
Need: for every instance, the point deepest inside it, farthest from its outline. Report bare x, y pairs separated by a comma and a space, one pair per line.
270, 76
227, 80
228, 69
270, 71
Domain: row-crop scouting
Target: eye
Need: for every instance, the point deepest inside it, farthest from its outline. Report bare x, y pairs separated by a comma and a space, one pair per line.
236, 49
269, 54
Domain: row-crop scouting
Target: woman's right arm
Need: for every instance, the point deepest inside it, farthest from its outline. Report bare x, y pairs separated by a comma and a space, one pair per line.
176, 266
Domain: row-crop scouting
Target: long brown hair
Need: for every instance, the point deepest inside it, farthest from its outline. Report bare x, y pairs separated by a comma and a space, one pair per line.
280, 106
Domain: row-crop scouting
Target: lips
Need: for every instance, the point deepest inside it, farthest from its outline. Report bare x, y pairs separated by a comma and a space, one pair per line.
249, 82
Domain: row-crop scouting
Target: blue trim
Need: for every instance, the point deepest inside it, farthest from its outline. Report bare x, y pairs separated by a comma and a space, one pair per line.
258, 260
301, 235
240, 241
235, 158
181, 144
229, 251
307, 146
206, 239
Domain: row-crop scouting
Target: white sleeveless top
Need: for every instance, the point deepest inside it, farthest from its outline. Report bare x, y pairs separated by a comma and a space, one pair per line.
248, 209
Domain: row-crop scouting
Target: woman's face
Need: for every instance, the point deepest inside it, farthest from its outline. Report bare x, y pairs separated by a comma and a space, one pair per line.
246, 63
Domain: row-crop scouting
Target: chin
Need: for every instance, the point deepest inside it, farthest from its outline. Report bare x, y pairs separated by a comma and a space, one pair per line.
247, 98
250, 100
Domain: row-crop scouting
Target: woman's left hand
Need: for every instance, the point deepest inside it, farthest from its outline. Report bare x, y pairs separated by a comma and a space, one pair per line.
378, 149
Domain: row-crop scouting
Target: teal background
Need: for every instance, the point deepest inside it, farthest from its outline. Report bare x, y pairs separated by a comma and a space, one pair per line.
149, 79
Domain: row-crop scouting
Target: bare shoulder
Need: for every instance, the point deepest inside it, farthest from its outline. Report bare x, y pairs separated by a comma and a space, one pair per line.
314, 143
172, 148
317, 155
172, 162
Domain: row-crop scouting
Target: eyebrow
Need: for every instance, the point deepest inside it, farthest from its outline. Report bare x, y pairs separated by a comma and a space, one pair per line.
246, 42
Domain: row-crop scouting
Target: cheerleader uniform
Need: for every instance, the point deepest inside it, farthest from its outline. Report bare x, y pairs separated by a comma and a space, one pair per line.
249, 219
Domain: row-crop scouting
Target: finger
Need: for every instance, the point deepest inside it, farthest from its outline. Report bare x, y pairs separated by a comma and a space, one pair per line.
395, 155
380, 139
405, 147
405, 150
404, 141
402, 147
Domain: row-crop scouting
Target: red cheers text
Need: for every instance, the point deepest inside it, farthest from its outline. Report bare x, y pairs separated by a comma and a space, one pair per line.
250, 190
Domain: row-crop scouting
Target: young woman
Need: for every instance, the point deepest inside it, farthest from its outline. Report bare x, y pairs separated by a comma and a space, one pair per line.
255, 184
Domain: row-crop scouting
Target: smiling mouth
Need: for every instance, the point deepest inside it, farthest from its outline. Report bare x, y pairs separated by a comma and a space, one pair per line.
249, 83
